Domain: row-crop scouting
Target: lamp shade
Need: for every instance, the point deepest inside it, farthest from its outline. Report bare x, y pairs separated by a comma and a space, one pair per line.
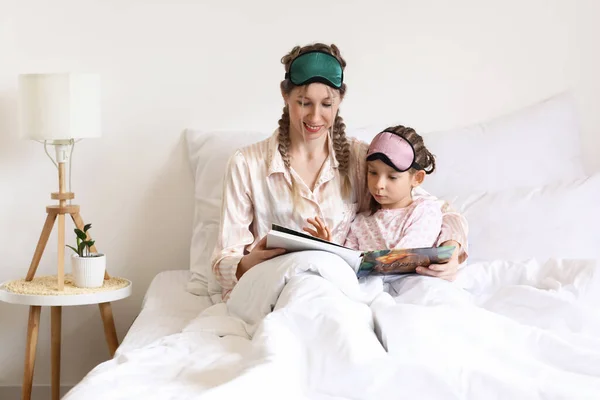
59, 106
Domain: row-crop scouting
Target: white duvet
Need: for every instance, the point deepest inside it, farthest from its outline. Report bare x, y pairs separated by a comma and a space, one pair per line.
301, 326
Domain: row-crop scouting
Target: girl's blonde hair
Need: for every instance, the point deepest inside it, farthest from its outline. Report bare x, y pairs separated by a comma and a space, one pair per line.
341, 145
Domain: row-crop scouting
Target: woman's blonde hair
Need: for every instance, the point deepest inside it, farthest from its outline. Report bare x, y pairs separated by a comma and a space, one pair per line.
341, 146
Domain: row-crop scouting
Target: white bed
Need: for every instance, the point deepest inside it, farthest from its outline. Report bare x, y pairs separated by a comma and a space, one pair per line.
522, 320
166, 309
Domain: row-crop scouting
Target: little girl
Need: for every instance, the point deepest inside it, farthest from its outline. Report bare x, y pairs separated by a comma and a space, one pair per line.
397, 162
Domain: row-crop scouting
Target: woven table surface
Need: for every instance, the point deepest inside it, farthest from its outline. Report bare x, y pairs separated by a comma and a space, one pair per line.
47, 286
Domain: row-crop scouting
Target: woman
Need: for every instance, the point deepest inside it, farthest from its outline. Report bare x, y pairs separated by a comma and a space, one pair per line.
306, 168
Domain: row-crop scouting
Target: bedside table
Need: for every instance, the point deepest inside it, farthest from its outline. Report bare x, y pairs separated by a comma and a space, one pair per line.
42, 292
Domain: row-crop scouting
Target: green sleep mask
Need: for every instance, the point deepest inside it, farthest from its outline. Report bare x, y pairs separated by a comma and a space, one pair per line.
316, 66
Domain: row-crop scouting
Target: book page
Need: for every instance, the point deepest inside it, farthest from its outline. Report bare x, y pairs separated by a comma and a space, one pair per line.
280, 228
297, 241
402, 261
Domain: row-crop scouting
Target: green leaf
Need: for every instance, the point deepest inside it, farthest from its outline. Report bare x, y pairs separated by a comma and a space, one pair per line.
80, 249
91, 243
87, 227
73, 248
80, 234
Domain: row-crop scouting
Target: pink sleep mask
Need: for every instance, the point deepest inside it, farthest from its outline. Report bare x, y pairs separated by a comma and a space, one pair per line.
394, 150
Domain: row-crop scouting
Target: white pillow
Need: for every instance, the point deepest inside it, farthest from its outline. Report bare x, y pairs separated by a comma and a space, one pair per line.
209, 153
544, 139
535, 146
560, 220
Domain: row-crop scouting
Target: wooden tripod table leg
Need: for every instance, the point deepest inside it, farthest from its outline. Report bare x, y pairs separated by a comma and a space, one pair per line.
56, 322
110, 331
41, 245
78, 221
32, 337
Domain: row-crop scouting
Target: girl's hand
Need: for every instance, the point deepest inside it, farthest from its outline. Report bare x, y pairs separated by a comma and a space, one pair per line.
321, 230
258, 254
447, 270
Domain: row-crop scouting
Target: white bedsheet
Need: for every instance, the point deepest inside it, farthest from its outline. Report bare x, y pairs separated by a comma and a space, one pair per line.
167, 308
504, 330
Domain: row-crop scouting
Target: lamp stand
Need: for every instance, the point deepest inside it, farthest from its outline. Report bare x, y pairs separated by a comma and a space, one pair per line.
58, 212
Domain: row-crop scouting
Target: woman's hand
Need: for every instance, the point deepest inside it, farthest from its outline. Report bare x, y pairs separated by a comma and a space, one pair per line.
445, 271
321, 230
258, 254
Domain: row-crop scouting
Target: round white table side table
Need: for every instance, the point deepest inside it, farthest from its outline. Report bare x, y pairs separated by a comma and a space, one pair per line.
56, 302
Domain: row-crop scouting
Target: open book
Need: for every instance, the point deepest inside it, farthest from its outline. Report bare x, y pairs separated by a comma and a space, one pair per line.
383, 262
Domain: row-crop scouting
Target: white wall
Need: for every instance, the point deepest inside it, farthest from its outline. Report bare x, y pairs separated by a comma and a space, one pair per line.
168, 65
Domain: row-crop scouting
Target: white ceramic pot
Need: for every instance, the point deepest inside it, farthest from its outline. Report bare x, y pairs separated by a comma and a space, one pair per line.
88, 272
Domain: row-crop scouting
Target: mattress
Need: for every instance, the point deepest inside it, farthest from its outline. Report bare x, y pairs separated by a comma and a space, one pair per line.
166, 309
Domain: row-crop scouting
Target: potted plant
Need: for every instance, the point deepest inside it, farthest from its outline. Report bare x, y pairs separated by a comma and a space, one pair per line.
87, 267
